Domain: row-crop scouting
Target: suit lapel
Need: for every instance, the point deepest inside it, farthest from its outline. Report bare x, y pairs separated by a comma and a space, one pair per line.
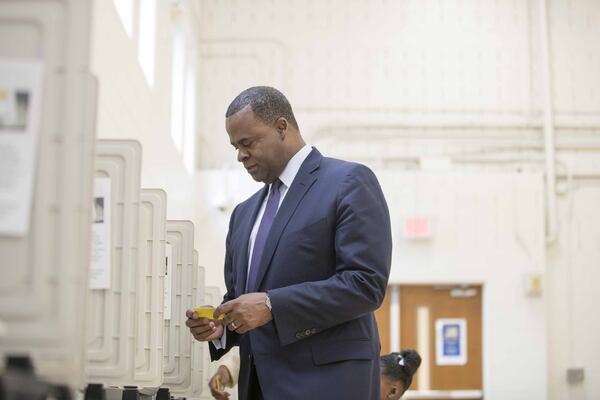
246, 230
305, 178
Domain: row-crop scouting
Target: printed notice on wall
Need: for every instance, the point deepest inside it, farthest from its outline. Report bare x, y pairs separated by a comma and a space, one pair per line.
168, 279
20, 112
451, 341
100, 254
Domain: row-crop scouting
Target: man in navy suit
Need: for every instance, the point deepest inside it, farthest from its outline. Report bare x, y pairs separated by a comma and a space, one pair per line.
307, 262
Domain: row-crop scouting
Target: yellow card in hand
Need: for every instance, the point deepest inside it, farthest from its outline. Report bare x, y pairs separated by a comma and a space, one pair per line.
206, 312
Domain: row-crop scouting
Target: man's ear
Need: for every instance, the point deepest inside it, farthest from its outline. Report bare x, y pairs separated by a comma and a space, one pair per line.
281, 125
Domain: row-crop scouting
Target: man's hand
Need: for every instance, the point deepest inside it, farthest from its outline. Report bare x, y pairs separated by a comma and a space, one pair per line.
203, 329
245, 313
219, 381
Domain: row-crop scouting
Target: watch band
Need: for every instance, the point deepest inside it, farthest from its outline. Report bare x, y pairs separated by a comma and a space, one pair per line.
268, 303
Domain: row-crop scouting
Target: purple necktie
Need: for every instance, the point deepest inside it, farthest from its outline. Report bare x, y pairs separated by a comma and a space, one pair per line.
261, 236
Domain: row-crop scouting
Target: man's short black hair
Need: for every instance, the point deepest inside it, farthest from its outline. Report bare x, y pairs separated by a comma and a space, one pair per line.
267, 103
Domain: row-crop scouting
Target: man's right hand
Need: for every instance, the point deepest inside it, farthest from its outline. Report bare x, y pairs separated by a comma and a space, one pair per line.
219, 381
203, 329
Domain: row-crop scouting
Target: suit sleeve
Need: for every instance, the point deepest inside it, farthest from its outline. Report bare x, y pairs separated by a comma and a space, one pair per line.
232, 337
363, 248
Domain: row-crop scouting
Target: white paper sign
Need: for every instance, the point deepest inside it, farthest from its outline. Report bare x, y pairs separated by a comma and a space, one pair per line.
451, 341
168, 279
20, 112
101, 240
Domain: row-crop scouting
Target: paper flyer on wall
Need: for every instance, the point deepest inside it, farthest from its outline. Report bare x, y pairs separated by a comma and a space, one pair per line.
451, 341
101, 240
20, 112
168, 279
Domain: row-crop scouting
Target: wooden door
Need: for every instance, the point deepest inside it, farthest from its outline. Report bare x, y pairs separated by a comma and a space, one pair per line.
382, 315
420, 308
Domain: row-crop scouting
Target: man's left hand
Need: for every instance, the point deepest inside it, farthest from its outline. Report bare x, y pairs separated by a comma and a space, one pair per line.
247, 312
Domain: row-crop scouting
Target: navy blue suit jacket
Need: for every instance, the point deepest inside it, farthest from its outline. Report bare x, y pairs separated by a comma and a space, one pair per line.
325, 267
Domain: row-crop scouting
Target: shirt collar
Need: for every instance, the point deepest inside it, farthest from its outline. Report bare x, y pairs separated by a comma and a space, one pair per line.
293, 166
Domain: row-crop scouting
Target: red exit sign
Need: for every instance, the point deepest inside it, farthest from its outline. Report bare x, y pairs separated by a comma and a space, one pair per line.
417, 227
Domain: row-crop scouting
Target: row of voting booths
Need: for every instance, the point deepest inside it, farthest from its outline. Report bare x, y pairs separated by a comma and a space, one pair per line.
135, 319
94, 288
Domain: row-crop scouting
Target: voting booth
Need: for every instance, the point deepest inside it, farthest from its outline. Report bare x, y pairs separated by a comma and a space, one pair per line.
46, 160
151, 284
111, 310
213, 297
200, 354
183, 355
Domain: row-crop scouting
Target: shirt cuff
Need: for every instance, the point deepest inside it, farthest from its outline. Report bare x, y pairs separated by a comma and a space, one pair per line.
221, 343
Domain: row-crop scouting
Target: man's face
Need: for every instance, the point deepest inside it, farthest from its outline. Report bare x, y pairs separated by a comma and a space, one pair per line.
259, 145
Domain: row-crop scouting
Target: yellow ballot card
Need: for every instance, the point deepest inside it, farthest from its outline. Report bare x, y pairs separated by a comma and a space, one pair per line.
206, 312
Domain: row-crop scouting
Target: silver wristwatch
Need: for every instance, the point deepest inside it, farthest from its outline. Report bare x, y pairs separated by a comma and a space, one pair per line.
268, 303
